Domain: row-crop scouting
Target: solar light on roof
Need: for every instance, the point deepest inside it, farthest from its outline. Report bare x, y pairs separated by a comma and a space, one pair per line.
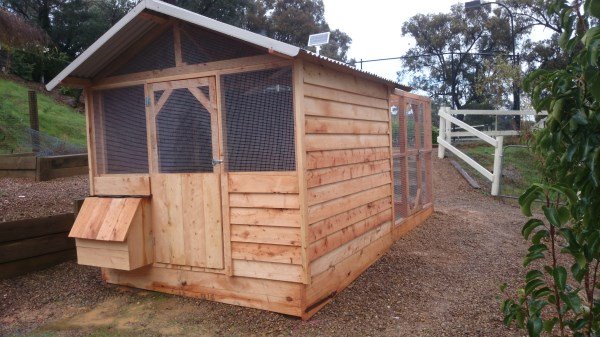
317, 40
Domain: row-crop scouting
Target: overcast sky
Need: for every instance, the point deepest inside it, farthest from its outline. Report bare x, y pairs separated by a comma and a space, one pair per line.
375, 27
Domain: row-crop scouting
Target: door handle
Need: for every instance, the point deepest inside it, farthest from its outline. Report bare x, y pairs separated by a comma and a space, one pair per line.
216, 162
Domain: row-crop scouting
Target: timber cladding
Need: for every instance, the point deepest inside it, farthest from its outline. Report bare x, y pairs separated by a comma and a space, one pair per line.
34, 244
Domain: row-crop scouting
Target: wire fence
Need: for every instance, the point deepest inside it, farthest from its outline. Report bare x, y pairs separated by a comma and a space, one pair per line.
16, 138
519, 167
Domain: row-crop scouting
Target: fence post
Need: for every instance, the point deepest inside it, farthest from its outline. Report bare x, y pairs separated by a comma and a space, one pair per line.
448, 127
34, 121
497, 166
442, 135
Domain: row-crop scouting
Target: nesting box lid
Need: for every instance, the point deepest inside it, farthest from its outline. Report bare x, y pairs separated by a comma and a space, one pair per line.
105, 219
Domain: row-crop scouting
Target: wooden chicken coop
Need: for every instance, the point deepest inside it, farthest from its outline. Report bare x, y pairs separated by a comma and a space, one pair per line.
232, 167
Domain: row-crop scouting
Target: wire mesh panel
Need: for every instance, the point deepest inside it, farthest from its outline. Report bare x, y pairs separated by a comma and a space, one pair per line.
411, 150
184, 135
259, 120
413, 181
200, 45
159, 54
411, 126
425, 188
120, 130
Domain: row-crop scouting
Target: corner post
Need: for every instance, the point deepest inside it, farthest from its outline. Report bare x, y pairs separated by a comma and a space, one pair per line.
497, 166
442, 136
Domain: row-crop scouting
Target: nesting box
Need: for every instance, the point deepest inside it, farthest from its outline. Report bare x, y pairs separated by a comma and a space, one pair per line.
229, 166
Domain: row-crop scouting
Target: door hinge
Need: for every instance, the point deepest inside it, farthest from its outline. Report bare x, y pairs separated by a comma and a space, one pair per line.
147, 100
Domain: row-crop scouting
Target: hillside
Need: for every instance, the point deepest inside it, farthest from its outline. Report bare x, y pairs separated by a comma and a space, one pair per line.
58, 121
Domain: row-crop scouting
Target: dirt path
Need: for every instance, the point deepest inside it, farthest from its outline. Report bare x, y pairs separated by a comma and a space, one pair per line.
441, 279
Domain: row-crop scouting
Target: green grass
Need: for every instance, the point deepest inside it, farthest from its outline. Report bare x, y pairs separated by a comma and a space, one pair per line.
519, 169
56, 119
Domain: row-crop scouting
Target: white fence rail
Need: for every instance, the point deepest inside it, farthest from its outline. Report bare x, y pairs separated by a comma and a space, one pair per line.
496, 113
445, 143
494, 138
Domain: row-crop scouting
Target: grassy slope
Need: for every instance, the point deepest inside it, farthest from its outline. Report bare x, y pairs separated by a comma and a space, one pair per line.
56, 119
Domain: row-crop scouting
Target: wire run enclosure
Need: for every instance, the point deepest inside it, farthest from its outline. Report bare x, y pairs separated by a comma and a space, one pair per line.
221, 170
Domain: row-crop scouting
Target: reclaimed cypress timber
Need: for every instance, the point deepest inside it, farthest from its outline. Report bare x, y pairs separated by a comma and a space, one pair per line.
335, 174
328, 209
254, 200
118, 185
193, 71
260, 234
20, 267
319, 107
213, 224
323, 159
348, 234
104, 257
282, 297
332, 94
299, 135
266, 252
345, 251
326, 227
265, 217
31, 228
268, 271
320, 142
320, 194
331, 125
325, 286
260, 183
327, 77
22, 249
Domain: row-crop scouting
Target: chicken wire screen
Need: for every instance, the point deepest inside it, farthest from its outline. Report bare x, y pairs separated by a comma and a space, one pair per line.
258, 120
184, 135
159, 54
120, 130
200, 46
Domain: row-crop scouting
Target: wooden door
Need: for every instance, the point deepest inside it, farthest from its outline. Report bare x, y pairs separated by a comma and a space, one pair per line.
185, 173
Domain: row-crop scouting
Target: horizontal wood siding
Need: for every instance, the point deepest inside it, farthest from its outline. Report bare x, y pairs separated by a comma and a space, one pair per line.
349, 173
264, 215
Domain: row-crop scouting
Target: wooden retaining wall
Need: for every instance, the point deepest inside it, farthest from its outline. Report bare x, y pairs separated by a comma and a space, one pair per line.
33, 244
27, 165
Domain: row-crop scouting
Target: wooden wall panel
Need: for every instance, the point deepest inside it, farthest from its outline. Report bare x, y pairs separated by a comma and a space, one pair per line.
278, 296
265, 226
349, 176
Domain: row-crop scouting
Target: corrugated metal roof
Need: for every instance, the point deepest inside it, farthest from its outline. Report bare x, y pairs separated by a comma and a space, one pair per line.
132, 27
349, 67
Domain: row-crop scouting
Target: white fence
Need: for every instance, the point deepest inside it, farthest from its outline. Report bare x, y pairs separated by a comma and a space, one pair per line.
494, 138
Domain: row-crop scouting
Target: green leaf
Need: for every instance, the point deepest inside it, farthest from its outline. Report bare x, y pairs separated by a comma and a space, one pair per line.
552, 215
530, 226
534, 326
549, 324
537, 237
533, 274
560, 277
532, 285
563, 215
595, 8
572, 301
580, 118
527, 198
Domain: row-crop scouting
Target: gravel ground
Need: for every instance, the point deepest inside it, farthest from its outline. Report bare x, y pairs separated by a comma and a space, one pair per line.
441, 279
25, 198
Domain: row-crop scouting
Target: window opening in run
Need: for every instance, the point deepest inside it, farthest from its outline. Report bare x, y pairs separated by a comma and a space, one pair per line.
258, 120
